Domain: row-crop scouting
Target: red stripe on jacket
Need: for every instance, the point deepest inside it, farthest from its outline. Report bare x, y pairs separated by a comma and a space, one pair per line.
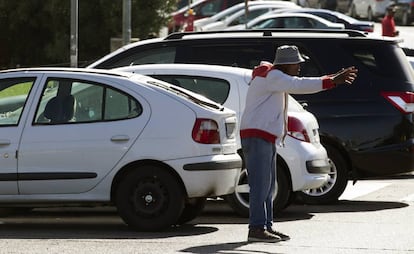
256, 133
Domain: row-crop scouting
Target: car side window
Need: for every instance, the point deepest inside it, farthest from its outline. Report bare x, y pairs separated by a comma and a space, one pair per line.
378, 60
309, 68
237, 54
73, 101
214, 89
149, 56
209, 8
13, 96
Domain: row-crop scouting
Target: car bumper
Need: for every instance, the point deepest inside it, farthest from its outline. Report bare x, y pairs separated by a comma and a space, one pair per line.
308, 164
384, 160
209, 176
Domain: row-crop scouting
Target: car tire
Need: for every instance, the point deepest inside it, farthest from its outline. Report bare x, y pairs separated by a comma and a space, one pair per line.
192, 209
284, 190
149, 198
334, 187
239, 200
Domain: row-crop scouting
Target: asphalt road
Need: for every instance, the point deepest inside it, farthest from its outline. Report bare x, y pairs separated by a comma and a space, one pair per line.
371, 217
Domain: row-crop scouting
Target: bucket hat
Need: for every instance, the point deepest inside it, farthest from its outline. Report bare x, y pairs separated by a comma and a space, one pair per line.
288, 54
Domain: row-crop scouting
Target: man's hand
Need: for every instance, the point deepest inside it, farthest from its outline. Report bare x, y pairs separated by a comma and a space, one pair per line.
345, 76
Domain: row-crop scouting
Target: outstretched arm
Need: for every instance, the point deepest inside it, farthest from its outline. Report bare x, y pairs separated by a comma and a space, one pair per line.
344, 76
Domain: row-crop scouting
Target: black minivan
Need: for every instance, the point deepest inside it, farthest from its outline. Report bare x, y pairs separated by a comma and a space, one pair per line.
367, 128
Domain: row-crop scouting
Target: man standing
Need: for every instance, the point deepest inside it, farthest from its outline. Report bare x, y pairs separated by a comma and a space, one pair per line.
264, 121
388, 23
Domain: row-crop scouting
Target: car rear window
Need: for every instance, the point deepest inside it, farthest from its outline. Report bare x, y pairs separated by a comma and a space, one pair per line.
214, 89
386, 60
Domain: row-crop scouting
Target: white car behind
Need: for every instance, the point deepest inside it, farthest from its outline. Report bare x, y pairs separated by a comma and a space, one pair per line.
288, 21
302, 164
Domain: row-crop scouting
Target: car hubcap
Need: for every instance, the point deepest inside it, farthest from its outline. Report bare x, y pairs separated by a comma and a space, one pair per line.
242, 188
149, 198
327, 187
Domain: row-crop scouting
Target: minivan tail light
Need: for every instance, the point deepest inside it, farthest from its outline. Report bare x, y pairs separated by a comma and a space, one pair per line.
403, 101
206, 131
297, 130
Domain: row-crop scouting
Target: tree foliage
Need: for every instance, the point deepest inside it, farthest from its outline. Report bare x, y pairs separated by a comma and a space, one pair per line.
37, 32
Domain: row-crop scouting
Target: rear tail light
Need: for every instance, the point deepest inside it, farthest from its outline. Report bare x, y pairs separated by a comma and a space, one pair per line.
297, 130
403, 101
206, 131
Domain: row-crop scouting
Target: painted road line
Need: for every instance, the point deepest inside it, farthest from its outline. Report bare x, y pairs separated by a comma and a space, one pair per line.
362, 188
409, 198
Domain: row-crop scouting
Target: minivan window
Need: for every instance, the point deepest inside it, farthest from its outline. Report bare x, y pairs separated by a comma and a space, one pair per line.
150, 56
380, 60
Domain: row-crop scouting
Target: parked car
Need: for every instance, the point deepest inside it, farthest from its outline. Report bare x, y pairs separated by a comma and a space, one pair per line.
288, 20
89, 137
200, 9
366, 128
302, 163
319, 4
404, 11
369, 9
185, 3
240, 17
335, 17
221, 16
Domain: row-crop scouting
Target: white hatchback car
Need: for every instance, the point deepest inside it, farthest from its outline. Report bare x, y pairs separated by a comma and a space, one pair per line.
242, 17
288, 20
73, 137
302, 164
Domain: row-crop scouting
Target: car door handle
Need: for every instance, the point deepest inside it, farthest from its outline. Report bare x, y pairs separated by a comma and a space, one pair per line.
5, 142
120, 138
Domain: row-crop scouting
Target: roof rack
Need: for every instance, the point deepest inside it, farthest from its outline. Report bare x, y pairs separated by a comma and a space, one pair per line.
268, 32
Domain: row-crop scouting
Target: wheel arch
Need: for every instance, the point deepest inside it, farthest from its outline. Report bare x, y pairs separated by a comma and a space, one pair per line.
285, 168
123, 172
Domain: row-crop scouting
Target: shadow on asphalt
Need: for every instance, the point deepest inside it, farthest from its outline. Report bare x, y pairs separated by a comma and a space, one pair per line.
223, 248
79, 223
348, 206
85, 230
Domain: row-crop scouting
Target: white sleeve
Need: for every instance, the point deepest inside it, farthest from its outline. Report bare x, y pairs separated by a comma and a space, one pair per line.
277, 81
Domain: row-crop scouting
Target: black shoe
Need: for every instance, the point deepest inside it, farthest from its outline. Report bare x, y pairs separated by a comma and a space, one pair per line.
282, 236
261, 235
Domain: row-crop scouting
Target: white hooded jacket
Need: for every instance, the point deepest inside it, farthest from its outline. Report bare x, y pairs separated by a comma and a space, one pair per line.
265, 113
